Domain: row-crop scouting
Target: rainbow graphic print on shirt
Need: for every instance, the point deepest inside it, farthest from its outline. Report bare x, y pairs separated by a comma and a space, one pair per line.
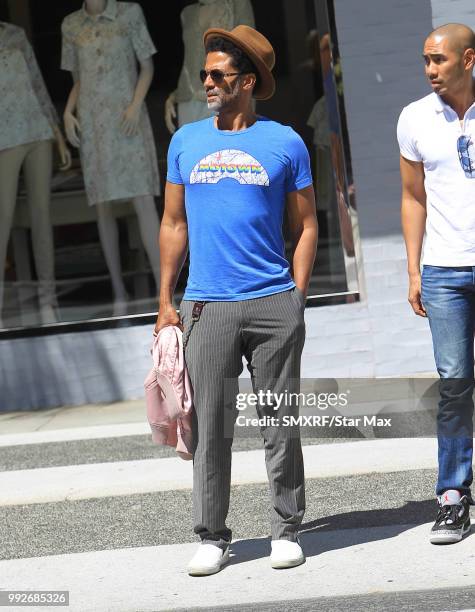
230, 164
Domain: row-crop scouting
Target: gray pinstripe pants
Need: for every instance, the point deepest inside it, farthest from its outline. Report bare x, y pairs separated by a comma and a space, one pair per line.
270, 333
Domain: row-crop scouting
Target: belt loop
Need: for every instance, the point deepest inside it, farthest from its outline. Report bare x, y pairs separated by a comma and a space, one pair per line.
195, 316
196, 312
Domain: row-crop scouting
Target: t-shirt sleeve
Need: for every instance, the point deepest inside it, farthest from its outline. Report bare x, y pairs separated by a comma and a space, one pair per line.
141, 39
69, 59
173, 160
299, 174
405, 137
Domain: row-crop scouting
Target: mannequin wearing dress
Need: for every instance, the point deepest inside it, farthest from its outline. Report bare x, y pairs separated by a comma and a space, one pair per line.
189, 99
29, 124
102, 44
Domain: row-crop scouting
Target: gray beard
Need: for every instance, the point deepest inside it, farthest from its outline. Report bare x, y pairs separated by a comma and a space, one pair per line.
215, 106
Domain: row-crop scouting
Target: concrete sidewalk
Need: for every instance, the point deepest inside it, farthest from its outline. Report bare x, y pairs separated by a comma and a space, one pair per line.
133, 411
73, 416
344, 562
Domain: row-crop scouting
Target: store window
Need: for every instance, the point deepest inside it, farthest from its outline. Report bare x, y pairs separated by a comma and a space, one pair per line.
87, 278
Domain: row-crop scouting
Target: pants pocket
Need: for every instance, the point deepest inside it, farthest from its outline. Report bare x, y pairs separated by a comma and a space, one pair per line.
298, 298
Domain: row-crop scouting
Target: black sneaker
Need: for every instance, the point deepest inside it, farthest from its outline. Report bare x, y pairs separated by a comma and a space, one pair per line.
451, 523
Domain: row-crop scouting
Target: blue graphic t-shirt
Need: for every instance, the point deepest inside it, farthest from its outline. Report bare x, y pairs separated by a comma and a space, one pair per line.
235, 194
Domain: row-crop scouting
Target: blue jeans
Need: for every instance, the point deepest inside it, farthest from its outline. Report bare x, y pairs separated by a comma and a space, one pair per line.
448, 295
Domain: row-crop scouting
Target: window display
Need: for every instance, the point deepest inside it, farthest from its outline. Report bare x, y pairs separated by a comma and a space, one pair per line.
84, 247
29, 123
118, 155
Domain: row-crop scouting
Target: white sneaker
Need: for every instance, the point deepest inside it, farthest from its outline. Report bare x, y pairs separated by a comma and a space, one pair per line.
286, 554
209, 559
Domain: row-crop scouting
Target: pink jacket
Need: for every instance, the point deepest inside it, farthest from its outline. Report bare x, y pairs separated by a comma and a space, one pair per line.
168, 393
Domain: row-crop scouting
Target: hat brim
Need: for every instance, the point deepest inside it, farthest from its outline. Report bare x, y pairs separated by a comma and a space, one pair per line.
266, 88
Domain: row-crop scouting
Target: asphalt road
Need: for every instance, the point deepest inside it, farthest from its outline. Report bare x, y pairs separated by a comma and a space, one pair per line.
437, 600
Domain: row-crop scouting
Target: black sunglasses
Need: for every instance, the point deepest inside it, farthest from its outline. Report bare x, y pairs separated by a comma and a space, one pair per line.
216, 75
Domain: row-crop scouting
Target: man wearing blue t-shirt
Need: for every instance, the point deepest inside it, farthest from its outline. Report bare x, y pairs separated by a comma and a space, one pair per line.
229, 179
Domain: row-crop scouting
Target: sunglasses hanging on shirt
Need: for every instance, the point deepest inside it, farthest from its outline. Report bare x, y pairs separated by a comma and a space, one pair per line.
466, 151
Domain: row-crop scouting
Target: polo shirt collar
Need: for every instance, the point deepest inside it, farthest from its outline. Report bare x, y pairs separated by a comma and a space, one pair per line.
439, 105
110, 12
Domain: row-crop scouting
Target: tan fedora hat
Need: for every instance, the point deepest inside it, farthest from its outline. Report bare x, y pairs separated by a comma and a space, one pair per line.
257, 48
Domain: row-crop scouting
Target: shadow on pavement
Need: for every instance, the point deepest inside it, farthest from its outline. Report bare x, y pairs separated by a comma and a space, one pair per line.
352, 528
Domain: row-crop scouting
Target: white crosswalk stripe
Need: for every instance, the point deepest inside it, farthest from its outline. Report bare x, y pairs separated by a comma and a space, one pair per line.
131, 477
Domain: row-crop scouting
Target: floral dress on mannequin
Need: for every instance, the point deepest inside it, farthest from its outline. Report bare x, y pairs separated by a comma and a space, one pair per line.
27, 117
102, 52
26, 109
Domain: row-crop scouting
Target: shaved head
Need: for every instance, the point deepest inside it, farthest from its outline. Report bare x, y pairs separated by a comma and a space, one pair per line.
449, 56
459, 36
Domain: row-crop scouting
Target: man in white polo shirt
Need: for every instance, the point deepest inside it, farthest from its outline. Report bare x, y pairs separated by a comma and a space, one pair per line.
436, 138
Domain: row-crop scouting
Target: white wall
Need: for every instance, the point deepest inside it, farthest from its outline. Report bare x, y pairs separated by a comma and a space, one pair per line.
459, 11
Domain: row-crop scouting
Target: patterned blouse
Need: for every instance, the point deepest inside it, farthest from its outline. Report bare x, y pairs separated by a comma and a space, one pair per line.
26, 111
102, 52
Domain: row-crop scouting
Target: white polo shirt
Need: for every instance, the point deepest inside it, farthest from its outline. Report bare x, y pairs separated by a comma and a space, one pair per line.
428, 131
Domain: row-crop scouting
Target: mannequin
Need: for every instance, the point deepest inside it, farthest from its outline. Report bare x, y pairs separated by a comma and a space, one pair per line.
102, 43
29, 124
189, 100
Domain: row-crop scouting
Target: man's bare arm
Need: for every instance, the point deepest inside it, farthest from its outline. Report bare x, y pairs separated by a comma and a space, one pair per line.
413, 216
302, 215
173, 241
